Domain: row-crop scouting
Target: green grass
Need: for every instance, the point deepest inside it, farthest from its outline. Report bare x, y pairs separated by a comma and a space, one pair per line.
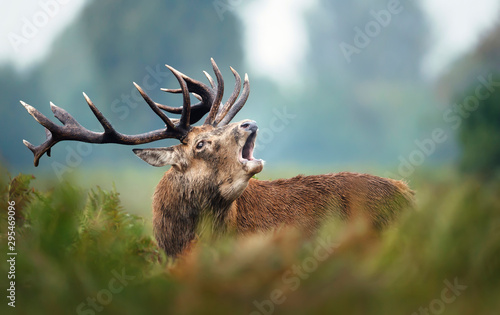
74, 246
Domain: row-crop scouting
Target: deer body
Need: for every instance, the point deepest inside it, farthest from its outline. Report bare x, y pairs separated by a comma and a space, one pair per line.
302, 201
306, 201
212, 168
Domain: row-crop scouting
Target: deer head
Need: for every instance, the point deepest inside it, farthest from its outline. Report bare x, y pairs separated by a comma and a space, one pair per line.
214, 143
210, 168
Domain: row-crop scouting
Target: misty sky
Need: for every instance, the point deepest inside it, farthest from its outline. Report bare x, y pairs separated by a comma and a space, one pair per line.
456, 27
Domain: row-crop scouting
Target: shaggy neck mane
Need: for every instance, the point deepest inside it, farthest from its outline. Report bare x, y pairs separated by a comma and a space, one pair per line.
178, 205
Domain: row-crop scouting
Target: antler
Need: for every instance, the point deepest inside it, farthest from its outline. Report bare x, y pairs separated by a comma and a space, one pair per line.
210, 99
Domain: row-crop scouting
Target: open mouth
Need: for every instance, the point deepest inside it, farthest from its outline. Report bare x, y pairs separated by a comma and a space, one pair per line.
247, 150
250, 164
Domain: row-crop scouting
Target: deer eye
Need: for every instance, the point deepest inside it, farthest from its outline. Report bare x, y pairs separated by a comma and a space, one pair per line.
200, 145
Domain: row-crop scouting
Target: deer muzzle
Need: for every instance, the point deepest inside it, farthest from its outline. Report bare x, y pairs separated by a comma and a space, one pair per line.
250, 164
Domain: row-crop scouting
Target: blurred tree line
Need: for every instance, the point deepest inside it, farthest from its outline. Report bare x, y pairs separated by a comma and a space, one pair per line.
473, 87
373, 101
111, 44
368, 109
365, 109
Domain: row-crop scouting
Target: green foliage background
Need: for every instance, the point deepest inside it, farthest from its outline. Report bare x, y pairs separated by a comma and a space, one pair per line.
479, 130
480, 137
71, 243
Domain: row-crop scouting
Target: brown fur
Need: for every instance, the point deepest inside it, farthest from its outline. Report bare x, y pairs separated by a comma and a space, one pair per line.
213, 181
306, 201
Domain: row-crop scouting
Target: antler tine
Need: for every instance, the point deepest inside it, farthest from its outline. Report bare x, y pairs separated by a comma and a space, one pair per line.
50, 128
40, 150
218, 97
239, 103
212, 83
211, 98
155, 108
170, 109
39, 117
227, 106
201, 91
198, 97
177, 91
186, 106
100, 117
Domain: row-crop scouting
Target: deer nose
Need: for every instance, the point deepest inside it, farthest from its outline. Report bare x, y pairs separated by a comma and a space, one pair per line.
249, 125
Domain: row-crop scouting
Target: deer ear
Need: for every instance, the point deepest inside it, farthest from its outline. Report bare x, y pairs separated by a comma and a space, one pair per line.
158, 156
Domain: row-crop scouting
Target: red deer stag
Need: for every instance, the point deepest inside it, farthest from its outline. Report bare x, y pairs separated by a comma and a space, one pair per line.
211, 170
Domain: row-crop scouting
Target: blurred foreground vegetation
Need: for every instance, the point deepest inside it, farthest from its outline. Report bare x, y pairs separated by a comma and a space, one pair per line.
79, 251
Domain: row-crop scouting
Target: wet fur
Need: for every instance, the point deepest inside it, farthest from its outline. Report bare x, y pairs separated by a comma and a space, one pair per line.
302, 201
306, 201
212, 181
